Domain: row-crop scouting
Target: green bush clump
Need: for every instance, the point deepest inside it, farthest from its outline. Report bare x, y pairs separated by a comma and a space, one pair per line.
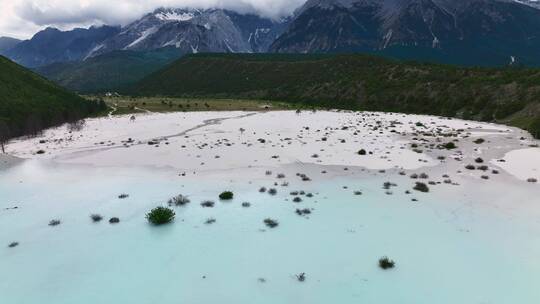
449, 145
386, 263
421, 187
270, 223
96, 218
160, 215
479, 141
227, 195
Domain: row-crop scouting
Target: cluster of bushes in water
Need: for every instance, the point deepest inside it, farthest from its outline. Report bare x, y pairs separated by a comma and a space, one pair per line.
386, 263
226, 195
160, 215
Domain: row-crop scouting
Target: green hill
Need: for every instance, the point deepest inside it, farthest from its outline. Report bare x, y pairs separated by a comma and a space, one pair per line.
30, 103
360, 82
109, 72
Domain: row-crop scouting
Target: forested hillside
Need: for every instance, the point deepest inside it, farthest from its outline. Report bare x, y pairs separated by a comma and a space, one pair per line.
30, 103
360, 82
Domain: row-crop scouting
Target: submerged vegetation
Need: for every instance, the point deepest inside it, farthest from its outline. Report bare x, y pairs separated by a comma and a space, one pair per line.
54, 222
386, 263
226, 195
271, 223
179, 200
96, 218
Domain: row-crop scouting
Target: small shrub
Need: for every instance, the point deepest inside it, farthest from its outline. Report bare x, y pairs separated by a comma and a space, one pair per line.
303, 211
421, 187
386, 263
210, 221
297, 199
449, 145
270, 223
160, 216
54, 222
272, 191
13, 244
362, 152
114, 220
179, 200
479, 141
208, 204
532, 180
96, 218
227, 195
470, 167
301, 277
123, 196
262, 189
479, 160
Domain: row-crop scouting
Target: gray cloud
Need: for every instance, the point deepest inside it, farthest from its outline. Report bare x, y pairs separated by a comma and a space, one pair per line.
25, 17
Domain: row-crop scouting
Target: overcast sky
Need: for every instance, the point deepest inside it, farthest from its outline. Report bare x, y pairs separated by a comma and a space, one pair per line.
23, 18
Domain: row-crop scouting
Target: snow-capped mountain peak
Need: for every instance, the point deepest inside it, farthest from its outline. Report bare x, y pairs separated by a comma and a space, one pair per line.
194, 30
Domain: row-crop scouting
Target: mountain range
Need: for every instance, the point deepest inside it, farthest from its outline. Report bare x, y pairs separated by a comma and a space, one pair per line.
463, 32
187, 30
471, 32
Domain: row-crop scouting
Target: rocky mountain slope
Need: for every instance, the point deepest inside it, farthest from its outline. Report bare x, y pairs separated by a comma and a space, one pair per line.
464, 31
52, 45
193, 31
7, 43
187, 30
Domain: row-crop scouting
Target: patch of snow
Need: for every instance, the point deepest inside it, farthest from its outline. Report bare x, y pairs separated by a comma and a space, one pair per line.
143, 36
94, 50
173, 16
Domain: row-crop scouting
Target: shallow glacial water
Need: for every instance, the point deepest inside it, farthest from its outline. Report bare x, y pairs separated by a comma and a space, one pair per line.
452, 246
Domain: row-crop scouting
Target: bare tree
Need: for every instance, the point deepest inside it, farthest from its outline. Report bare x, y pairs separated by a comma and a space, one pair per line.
33, 125
76, 126
4, 135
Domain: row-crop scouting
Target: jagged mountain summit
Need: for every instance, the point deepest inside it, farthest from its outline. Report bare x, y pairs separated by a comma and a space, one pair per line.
193, 31
468, 32
464, 31
188, 30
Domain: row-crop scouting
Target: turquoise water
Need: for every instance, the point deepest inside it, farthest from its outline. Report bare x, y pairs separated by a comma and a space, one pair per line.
455, 245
